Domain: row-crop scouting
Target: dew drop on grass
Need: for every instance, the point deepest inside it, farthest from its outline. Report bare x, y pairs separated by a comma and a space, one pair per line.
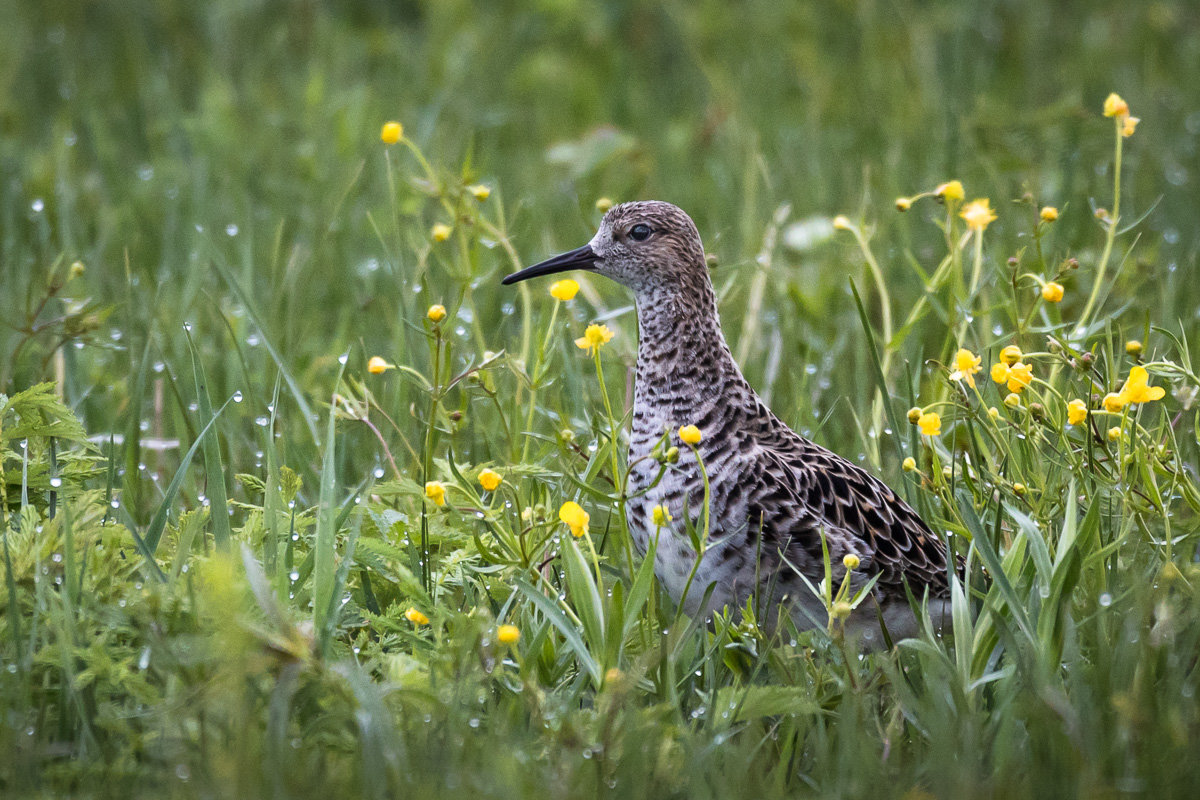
378, 473
343, 358
37, 205
56, 558
508, 309
231, 229
144, 659
252, 340
159, 366
262, 422
1105, 600
295, 537
55, 482
294, 575
187, 327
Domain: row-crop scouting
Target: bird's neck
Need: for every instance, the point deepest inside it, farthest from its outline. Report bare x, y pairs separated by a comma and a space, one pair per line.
684, 367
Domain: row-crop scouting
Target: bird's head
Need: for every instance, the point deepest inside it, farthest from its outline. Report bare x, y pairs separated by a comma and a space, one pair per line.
649, 246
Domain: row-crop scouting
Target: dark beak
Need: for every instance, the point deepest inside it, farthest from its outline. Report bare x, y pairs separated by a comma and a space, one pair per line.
582, 258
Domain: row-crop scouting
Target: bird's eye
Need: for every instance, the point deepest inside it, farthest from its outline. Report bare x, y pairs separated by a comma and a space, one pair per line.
639, 232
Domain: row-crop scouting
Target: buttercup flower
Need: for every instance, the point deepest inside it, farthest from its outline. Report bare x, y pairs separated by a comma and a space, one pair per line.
1114, 433
603, 204
950, 190
909, 464
1077, 411
440, 232
1011, 354
903, 203
1114, 106
690, 434
993, 413
1133, 347
575, 517
978, 214
850, 561
1012, 400
930, 423
660, 516
489, 479
1137, 388
914, 414
1053, 292
436, 491
1129, 125
595, 337
378, 366
391, 132
1113, 402
841, 223
1020, 375
508, 634
77, 269
564, 290
436, 312
1049, 214
966, 364
416, 617
480, 192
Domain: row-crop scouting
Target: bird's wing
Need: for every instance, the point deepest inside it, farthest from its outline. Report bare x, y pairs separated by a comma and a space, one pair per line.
857, 512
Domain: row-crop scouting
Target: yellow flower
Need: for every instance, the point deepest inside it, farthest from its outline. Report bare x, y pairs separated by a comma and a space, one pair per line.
1114, 433
1113, 402
909, 464
660, 516
993, 413
603, 204
1129, 125
1114, 106
564, 290
595, 337
377, 366
575, 517
1049, 214
440, 232
436, 491
480, 192
1053, 292
966, 364
850, 561
1000, 372
903, 203
914, 414
416, 617
841, 223
436, 312
1133, 347
1012, 400
1137, 388
1077, 411
1020, 488
1020, 375
508, 634
489, 479
950, 190
690, 434
978, 214
1011, 355
77, 269
930, 423
391, 133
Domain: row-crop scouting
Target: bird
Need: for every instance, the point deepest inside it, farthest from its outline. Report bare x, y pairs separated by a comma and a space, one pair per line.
775, 498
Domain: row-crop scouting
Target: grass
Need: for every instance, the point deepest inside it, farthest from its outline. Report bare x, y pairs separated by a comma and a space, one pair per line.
203, 241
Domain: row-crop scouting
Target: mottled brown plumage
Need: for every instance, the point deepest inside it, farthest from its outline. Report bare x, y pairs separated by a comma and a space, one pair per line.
773, 492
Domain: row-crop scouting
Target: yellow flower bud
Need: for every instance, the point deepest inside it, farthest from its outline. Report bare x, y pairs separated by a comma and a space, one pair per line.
377, 366
690, 434
1012, 400
508, 634
993, 413
575, 517
951, 190
1049, 214
1077, 411
850, 561
1011, 354
391, 133
436, 312
914, 414
603, 205
903, 203
1114, 106
1020, 488
440, 232
77, 269
1133, 347
564, 290
416, 617
436, 491
480, 192
1053, 292
660, 516
1114, 433
489, 479
842, 223
909, 464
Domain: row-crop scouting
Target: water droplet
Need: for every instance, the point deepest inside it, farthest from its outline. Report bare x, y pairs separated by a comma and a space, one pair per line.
237, 396
1105, 600
378, 473
262, 422
187, 327
343, 358
37, 205
231, 230
159, 366
294, 575
56, 558
252, 340
55, 482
